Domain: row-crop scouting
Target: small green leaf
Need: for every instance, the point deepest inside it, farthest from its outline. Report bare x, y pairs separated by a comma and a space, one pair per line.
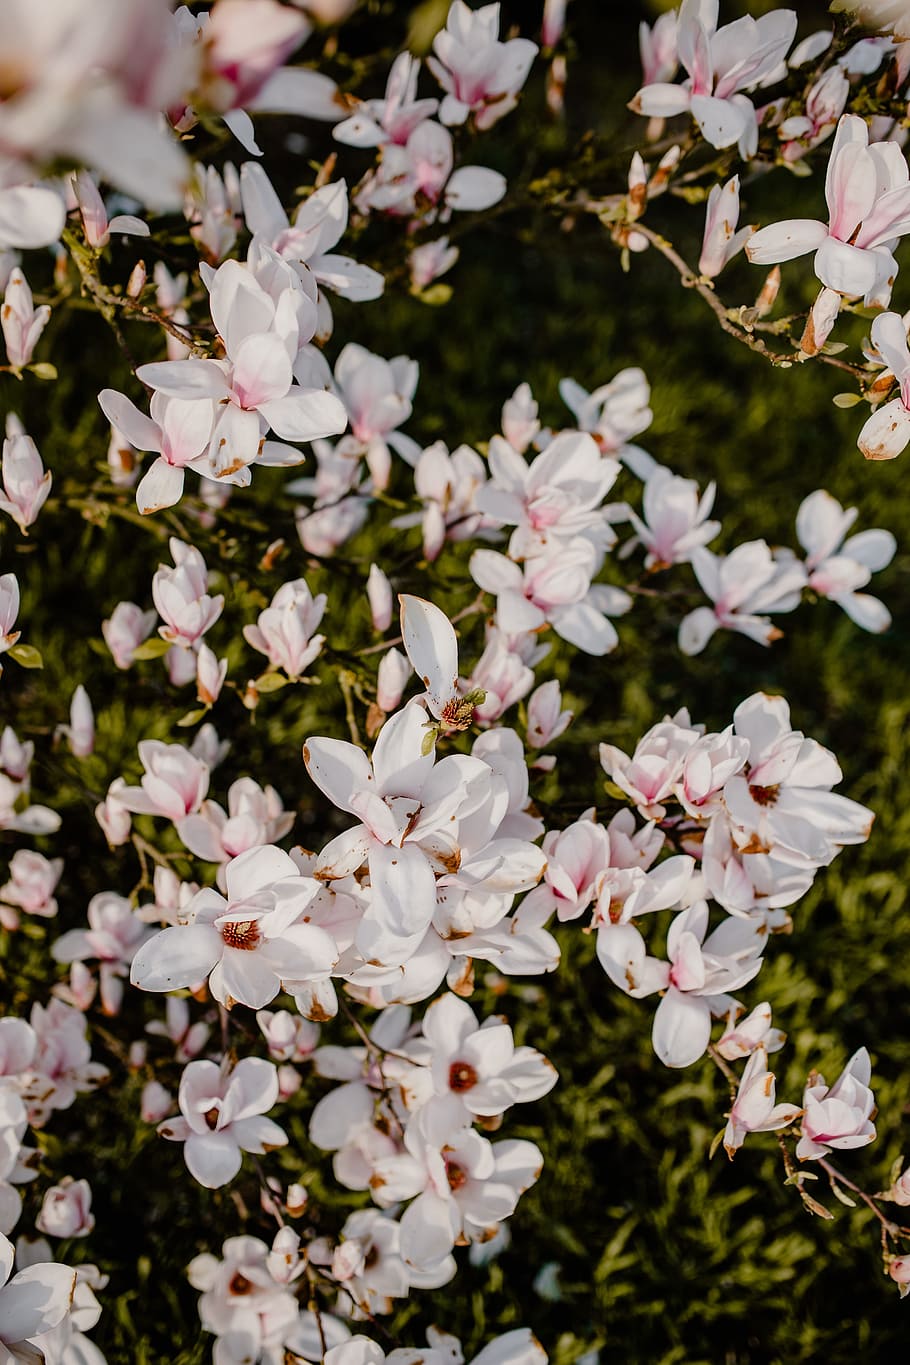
151, 649
270, 682
839, 1194
846, 400
26, 656
193, 717
436, 295
43, 369
715, 1143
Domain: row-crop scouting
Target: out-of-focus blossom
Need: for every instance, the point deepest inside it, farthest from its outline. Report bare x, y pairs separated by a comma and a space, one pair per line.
66, 1210
26, 483
838, 567
480, 75
838, 1117
21, 321
95, 222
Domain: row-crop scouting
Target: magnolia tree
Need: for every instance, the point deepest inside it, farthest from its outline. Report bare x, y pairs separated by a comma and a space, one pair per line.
273, 974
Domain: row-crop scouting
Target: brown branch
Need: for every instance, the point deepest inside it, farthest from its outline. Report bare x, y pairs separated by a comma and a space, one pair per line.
691, 280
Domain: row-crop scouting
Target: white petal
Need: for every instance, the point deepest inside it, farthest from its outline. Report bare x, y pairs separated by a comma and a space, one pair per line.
432, 647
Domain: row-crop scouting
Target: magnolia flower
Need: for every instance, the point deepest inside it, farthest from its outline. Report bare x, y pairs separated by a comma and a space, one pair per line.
33, 879
248, 943
743, 1037
95, 222
742, 585
657, 48
838, 567
379, 595
783, 801
887, 432
721, 63
392, 119
222, 1114
26, 483
22, 323
319, 223
66, 1209
754, 1109
377, 394
182, 598
284, 631
838, 1117
613, 412
431, 260
674, 519
81, 730
421, 177
650, 776
391, 679
868, 194
823, 107
178, 429
546, 719
174, 783
32, 1302
721, 241
9, 610
481, 1065
481, 75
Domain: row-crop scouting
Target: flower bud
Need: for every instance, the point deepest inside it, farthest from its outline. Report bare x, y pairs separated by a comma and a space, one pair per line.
66, 1210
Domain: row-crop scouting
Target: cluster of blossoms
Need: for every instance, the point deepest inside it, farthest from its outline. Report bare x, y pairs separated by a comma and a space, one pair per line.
432, 855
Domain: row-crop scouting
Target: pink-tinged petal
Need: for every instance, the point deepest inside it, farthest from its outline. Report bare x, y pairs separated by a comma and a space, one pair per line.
262, 370
129, 225
844, 268
212, 1158
696, 629
161, 486
257, 868
874, 549
474, 188
886, 433
344, 854
253, 1087
403, 887
721, 121
429, 1227
400, 766
186, 427
785, 241
138, 429
245, 977
185, 378
338, 1114
35, 1301
339, 769
305, 415
866, 611
447, 1022
821, 524
585, 628
661, 100
261, 205
258, 1134
850, 189
176, 957
514, 1348
432, 647
348, 278
31, 216
303, 952
515, 614
494, 572
297, 90
682, 1029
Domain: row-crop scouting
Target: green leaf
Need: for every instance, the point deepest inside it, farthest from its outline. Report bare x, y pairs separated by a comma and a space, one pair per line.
839, 1194
270, 682
846, 400
26, 656
193, 717
436, 295
151, 649
715, 1143
43, 369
